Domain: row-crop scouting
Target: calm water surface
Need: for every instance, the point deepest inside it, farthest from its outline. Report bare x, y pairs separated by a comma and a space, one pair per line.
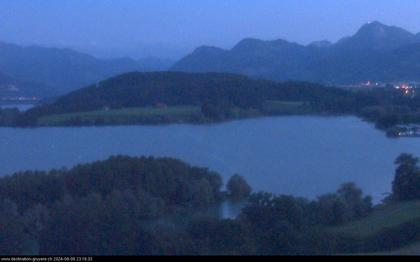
21, 107
302, 156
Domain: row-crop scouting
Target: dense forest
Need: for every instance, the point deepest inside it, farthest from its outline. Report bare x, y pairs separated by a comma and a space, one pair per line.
155, 98
123, 206
172, 89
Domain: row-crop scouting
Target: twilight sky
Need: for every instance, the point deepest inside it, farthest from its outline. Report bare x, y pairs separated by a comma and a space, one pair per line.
176, 26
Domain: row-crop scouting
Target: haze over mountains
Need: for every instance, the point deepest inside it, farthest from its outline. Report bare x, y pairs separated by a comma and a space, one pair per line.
44, 72
376, 52
11, 88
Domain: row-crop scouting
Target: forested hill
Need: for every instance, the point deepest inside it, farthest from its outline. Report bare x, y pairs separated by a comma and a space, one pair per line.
175, 89
174, 97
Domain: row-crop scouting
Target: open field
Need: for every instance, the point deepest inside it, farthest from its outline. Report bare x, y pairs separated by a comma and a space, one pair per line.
382, 218
412, 250
123, 116
390, 230
164, 115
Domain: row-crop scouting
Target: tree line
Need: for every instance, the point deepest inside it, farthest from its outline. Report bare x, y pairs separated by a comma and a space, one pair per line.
123, 206
223, 97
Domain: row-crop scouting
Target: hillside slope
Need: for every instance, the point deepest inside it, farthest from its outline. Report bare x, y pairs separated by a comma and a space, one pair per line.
394, 227
179, 89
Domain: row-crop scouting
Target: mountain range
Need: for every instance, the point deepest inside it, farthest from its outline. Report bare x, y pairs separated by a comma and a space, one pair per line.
376, 52
10, 88
48, 72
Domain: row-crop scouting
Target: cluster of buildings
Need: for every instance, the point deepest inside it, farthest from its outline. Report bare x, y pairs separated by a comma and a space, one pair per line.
408, 131
409, 88
396, 85
371, 84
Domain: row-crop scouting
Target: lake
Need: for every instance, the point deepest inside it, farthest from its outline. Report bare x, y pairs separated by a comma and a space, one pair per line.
302, 156
21, 107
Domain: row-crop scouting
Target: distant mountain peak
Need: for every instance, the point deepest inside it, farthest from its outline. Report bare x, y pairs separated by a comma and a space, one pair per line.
248, 44
207, 50
376, 51
252, 45
375, 23
376, 35
378, 29
250, 40
321, 44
